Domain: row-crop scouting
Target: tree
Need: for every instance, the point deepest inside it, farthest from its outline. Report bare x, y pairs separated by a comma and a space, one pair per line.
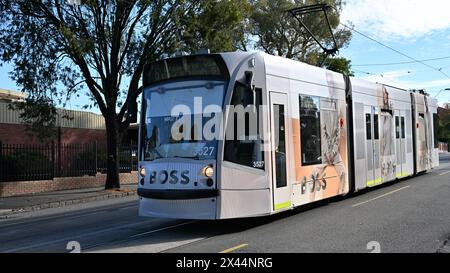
279, 33
97, 47
38, 115
339, 64
444, 125
219, 26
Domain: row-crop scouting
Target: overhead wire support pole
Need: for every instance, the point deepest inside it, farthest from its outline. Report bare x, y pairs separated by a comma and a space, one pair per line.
297, 12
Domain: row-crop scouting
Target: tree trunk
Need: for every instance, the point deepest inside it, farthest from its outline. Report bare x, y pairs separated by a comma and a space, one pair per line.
113, 145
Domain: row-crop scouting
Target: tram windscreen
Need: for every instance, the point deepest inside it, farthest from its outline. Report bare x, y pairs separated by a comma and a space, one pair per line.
185, 67
182, 120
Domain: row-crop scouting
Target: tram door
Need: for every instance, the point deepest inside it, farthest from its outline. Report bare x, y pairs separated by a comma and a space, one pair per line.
400, 138
373, 172
282, 191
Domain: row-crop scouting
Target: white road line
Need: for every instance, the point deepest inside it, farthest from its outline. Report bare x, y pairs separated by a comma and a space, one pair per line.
381, 196
128, 239
161, 229
444, 173
67, 239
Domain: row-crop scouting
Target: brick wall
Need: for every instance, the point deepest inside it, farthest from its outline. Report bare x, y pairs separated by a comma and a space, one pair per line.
8, 189
18, 134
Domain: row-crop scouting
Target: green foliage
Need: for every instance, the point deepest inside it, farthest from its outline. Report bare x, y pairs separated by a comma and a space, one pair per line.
340, 65
39, 116
24, 164
218, 25
279, 33
444, 126
100, 48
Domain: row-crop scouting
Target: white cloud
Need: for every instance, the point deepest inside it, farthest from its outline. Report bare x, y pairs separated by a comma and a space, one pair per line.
396, 78
398, 18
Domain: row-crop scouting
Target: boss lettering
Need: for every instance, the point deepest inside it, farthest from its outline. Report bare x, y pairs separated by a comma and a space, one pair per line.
172, 177
185, 177
163, 176
153, 177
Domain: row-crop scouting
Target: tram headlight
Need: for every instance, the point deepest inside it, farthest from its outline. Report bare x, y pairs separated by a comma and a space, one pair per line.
142, 172
208, 171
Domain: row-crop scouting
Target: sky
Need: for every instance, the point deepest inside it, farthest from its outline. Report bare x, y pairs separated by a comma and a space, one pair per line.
419, 29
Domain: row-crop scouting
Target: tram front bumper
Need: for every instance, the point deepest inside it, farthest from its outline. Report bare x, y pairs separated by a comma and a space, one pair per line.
178, 204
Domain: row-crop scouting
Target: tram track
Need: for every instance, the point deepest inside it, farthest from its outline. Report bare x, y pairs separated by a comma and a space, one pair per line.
135, 236
117, 228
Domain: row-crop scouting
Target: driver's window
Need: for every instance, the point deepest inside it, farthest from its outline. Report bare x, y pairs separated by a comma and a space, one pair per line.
243, 141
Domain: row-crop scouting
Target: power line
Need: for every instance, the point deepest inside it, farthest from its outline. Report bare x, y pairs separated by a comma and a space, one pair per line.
396, 51
380, 75
399, 63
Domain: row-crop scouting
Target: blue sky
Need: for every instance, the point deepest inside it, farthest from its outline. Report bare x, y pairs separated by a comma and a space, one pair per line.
419, 30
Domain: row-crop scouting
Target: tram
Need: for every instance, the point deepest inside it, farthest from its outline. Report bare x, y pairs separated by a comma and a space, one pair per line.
247, 134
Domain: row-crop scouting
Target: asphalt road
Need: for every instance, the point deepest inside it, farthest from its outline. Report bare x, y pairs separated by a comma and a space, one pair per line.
408, 216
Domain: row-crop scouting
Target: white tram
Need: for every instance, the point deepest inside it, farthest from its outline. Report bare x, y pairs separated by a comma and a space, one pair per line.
305, 134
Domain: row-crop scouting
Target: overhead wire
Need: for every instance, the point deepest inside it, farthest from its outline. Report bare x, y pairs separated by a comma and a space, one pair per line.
400, 63
440, 70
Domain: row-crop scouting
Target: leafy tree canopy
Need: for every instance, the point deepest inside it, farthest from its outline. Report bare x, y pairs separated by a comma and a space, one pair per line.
216, 25
339, 64
279, 33
39, 115
59, 49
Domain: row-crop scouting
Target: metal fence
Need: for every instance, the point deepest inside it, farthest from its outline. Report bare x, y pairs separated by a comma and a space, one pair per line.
20, 162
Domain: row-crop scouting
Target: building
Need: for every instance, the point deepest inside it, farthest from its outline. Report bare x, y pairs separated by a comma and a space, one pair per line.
9, 96
444, 112
444, 115
74, 127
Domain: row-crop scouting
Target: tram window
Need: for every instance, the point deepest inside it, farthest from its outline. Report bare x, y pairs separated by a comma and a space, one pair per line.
397, 127
403, 128
245, 148
310, 130
435, 130
368, 127
280, 142
376, 133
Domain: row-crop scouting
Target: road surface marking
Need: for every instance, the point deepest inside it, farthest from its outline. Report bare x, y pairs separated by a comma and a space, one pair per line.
233, 248
72, 238
161, 229
381, 196
444, 173
132, 237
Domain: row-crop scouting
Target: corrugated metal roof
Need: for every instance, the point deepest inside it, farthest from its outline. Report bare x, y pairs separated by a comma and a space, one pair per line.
9, 95
66, 118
